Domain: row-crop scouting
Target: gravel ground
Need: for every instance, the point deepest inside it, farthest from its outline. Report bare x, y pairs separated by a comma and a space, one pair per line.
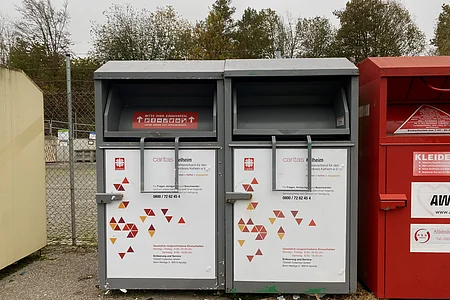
64, 272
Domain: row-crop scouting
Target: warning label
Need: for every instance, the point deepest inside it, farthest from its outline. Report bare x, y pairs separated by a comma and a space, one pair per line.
431, 164
426, 119
165, 120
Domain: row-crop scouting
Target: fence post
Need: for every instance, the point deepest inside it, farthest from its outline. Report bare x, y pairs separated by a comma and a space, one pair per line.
71, 166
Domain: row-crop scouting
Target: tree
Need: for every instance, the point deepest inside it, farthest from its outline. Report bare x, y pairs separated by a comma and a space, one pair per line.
290, 39
316, 37
377, 28
214, 35
6, 39
42, 24
129, 34
442, 32
257, 34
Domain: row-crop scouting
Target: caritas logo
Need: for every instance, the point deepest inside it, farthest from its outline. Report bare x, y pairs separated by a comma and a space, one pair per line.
422, 236
249, 164
119, 163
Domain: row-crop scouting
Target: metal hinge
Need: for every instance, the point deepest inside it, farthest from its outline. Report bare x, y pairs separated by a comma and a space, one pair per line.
105, 198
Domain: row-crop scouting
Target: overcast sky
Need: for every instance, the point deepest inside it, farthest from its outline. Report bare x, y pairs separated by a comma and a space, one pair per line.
83, 12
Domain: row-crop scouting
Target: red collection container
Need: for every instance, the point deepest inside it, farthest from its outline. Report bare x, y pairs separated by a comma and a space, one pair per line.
404, 177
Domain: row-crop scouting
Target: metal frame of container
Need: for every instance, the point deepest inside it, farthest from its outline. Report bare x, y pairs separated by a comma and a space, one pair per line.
347, 137
148, 71
391, 89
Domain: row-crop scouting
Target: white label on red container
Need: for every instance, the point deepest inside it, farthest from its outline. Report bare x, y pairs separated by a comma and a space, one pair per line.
430, 200
430, 238
119, 163
426, 119
431, 163
165, 120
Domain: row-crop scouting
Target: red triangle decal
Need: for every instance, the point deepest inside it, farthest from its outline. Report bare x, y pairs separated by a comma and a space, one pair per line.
164, 210
426, 119
147, 211
245, 229
125, 203
113, 221
126, 228
259, 237
259, 227
134, 232
130, 250
250, 189
181, 221
281, 215
125, 181
117, 228
312, 223
121, 254
294, 213
121, 189
116, 186
263, 229
263, 235
245, 186
281, 230
254, 204
250, 258
130, 235
250, 222
121, 221
254, 181
169, 218
241, 222
254, 229
276, 213
259, 252
133, 227
299, 220
151, 227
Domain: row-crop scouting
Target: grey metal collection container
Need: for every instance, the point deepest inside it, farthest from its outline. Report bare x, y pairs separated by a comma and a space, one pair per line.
236, 175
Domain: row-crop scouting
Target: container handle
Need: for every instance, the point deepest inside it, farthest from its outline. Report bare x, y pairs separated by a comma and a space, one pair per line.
274, 166
435, 88
177, 141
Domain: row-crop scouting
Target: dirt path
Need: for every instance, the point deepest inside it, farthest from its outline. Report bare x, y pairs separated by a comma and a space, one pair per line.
63, 272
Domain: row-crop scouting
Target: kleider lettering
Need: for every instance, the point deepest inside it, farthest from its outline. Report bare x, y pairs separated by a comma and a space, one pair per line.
440, 200
438, 157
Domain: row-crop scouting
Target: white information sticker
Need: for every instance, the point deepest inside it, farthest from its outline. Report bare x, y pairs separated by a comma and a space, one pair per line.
430, 238
161, 234
430, 200
293, 235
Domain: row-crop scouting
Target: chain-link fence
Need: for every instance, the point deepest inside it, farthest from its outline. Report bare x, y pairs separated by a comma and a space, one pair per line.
71, 207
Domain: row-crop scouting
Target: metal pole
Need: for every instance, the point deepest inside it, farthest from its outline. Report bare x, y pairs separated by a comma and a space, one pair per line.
71, 167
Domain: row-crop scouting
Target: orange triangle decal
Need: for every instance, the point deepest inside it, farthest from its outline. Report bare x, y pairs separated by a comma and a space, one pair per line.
250, 207
254, 181
143, 218
241, 226
241, 242
113, 240
151, 232
281, 235
272, 220
113, 225
312, 223
121, 205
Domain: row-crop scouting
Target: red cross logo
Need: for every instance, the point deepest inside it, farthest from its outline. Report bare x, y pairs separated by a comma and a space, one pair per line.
249, 164
119, 163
